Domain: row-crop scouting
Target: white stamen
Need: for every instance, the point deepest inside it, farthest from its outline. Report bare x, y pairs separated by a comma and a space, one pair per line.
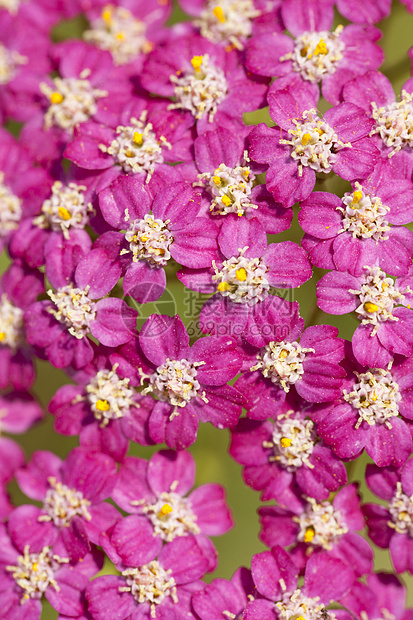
320, 524
62, 504
298, 605
72, 101
401, 511
74, 309
110, 397
12, 6
375, 396
119, 32
150, 584
364, 215
65, 209
227, 21
11, 324
34, 572
149, 239
10, 60
282, 362
175, 382
171, 516
378, 296
316, 54
394, 123
136, 148
202, 90
293, 441
230, 189
315, 143
10, 209
242, 279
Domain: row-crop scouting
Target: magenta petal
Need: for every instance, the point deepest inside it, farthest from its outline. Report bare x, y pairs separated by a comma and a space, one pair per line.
220, 317
115, 322
333, 294
338, 430
327, 578
109, 440
358, 161
186, 559
349, 122
163, 336
319, 215
389, 446
289, 97
372, 86
377, 518
264, 53
223, 408
268, 568
178, 203
285, 183
181, 431
33, 478
84, 149
104, 597
307, 15
288, 265
260, 610
368, 350
99, 272
11, 458
25, 529
67, 599
126, 192
196, 245
364, 12
75, 539
217, 147
382, 482
92, 473
134, 540
166, 467
144, 283
237, 233
209, 506
401, 551
352, 254
131, 484
222, 359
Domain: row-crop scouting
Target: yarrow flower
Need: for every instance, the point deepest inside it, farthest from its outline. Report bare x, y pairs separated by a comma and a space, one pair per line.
316, 54
391, 526
188, 383
305, 144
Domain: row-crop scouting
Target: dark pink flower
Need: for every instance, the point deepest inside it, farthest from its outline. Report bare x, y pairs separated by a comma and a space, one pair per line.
320, 527
127, 29
19, 289
316, 54
310, 365
304, 144
205, 79
73, 492
103, 407
385, 327
242, 277
157, 231
59, 328
354, 231
29, 571
285, 453
148, 588
157, 490
229, 182
189, 383
231, 24
326, 580
391, 526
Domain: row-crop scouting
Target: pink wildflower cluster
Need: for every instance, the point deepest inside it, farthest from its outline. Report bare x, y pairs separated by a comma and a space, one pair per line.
126, 164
